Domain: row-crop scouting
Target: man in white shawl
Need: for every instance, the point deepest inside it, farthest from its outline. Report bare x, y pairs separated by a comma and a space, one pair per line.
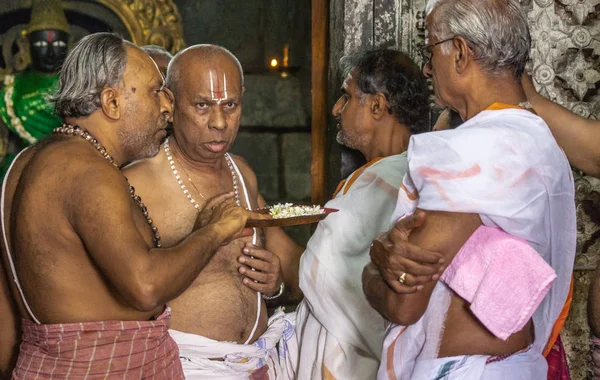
500, 202
384, 101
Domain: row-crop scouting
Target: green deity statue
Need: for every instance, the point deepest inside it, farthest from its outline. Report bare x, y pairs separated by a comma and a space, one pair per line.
24, 107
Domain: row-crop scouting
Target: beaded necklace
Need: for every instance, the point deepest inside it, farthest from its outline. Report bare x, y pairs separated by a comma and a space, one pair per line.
73, 130
171, 160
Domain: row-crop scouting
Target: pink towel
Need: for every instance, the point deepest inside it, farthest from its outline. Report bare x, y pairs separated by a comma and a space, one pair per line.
502, 277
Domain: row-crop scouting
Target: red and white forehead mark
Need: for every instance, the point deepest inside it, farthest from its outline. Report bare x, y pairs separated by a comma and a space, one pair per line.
217, 92
50, 35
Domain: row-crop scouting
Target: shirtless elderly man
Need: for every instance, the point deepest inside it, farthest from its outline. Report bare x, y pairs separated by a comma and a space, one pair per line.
223, 314
499, 196
90, 278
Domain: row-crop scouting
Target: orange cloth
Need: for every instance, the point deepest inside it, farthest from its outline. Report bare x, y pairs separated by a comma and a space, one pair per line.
353, 177
560, 321
501, 106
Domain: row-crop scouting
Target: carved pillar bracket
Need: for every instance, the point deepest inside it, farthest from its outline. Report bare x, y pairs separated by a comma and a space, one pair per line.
150, 22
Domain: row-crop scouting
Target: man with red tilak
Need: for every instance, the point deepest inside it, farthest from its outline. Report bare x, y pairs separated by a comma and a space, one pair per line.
220, 322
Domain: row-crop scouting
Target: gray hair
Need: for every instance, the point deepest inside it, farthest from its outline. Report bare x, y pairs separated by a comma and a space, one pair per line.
496, 31
157, 50
398, 78
204, 52
96, 62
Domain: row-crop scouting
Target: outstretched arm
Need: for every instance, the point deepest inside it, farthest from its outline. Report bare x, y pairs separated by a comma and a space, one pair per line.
579, 137
441, 232
145, 278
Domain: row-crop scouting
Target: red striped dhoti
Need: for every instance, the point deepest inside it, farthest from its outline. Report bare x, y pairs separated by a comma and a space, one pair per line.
99, 350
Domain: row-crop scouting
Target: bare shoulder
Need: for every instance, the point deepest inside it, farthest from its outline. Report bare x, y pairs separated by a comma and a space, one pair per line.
67, 174
72, 164
247, 172
143, 170
17, 167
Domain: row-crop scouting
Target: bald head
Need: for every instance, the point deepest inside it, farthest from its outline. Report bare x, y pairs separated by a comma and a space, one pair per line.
160, 55
188, 62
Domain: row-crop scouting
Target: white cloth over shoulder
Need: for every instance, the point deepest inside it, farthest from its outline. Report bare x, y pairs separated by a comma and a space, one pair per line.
340, 335
263, 359
505, 166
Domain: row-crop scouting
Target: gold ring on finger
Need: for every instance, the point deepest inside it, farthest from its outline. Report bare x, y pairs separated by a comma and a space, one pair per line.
402, 278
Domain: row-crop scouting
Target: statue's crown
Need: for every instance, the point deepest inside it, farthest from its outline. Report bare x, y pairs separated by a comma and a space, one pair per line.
47, 14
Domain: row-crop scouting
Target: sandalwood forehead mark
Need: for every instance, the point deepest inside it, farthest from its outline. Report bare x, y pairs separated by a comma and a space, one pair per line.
347, 80
218, 93
162, 77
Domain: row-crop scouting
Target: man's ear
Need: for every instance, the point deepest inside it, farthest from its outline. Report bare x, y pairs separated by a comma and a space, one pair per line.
463, 54
110, 103
378, 105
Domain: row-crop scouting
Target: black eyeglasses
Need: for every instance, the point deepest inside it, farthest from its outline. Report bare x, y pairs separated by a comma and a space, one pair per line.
427, 51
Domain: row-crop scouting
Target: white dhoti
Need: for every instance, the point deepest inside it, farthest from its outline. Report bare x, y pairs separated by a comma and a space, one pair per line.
339, 334
521, 366
263, 359
505, 166
410, 353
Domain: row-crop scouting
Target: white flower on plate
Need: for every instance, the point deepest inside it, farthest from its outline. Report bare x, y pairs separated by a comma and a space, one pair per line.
289, 210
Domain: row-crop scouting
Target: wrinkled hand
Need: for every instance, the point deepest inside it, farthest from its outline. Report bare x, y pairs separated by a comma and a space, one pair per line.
226, 218
394, 256
267, 276
370, 272
207, 211
230, 219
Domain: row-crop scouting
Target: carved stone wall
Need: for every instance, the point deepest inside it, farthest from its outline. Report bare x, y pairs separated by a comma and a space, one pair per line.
566, 69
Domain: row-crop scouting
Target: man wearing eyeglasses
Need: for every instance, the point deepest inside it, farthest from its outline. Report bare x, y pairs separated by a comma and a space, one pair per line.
499, 199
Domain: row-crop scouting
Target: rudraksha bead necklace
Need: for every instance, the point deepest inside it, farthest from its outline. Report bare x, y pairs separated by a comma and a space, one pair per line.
74, 130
